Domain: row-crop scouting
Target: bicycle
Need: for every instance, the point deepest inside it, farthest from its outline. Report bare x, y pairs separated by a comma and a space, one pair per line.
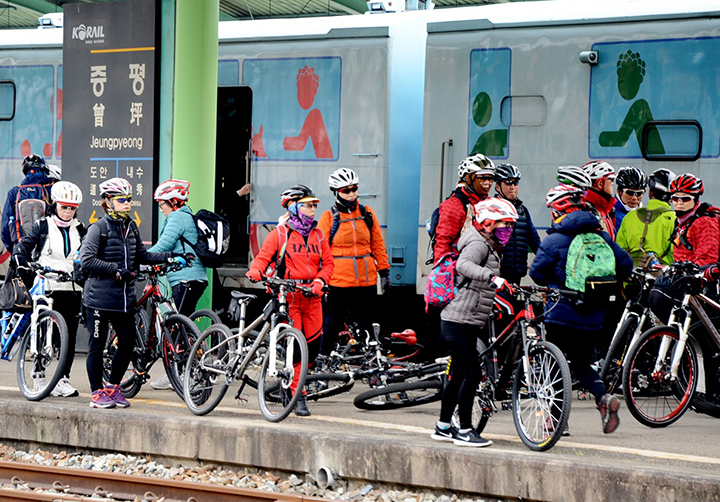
168, 335
221, 357
43, 337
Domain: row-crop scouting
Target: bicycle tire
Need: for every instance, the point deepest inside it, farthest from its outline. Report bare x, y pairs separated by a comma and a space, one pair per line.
47, 364
206, 379
653, 399
131, 382
541, 408
289, 340
611, 372
204, 318
400, 395
180, 334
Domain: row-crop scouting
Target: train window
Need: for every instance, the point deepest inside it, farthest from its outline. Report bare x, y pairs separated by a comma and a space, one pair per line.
681, 140
523, 110
7, 99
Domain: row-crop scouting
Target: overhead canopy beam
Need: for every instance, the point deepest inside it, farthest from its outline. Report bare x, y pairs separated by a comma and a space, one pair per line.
351, 6
39, 6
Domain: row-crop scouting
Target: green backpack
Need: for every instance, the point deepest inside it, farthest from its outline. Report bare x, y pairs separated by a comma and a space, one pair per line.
590, 269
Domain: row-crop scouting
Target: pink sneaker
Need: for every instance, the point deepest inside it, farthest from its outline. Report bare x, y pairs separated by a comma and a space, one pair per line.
114, 392
101, 399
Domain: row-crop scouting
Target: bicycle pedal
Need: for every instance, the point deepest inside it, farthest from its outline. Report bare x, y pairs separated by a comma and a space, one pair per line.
242, 400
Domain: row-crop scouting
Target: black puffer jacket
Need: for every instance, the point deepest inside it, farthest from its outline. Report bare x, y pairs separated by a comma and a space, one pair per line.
514, 259
109, 246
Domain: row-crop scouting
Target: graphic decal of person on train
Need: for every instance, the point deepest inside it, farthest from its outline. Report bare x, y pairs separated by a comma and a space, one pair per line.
489, 85
631, 72
314, 126
494, 141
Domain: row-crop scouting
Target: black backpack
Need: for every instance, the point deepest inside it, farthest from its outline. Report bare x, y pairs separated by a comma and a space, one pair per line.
364, 215
213, 238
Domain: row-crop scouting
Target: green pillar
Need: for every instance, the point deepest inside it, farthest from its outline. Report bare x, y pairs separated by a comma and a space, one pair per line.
195, 103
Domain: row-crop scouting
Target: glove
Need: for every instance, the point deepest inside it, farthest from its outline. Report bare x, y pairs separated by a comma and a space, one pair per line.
125, 275
20, 260
254, 275
499, 283
712, 273
385, 282
188, 257
317, 287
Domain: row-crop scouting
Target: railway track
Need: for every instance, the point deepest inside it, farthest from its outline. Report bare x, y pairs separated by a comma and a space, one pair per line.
42, 483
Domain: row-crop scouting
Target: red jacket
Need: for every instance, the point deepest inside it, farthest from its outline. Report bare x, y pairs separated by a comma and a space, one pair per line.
305, 259
603, 207
453, 215
703, 236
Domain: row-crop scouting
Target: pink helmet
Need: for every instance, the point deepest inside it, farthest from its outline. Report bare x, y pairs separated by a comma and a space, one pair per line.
172, 189
495, 209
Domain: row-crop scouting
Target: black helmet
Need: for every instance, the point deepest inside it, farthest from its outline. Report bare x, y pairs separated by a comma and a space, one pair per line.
507, 172
297, 193
659, 183
34, 163
631, 177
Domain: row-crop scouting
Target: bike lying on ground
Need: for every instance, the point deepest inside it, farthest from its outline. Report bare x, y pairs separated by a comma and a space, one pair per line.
220, 357
43, 336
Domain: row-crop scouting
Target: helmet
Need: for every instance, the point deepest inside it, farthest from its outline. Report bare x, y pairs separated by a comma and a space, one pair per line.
478, 164
574, 176
495, 209
687, 183
597, 169
631, 177
342, 178
297, 193
35, 163
659, 183
172, 189
563, 197
507, 172
54, 172
114, 187
66, 193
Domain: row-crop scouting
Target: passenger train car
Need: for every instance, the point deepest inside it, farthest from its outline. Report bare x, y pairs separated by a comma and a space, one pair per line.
402, 98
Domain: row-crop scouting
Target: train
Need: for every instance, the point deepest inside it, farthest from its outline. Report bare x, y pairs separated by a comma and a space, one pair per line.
402, 98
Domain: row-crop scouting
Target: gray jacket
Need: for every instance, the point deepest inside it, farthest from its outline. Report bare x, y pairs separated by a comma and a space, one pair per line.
473, 302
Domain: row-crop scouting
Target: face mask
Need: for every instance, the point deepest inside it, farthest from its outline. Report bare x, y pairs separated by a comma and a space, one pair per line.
503, 234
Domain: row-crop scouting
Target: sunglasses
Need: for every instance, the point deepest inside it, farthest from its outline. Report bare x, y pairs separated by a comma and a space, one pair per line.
310, 204
351, 189
681, 198
122, 200
634, 193
485, 178
511, 182
67, 208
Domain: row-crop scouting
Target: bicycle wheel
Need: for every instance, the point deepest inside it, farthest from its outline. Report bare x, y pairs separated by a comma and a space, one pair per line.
39, 370
204, 318
207, 379
132, 381
652, 397
180, 334
400, 395
541, 399
291, 356
611, 372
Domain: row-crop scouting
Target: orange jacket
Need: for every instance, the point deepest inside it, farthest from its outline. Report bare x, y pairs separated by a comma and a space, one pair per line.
358, 251
304, 259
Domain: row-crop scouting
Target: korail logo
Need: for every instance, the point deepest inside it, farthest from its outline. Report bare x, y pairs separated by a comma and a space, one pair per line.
89, 34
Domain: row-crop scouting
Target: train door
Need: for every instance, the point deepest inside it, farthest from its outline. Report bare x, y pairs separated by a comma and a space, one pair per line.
232, 167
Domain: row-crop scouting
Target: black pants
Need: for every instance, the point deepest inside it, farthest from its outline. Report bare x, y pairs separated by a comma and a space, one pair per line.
186, 295
68, 304
465, 372
346, 305
97, 324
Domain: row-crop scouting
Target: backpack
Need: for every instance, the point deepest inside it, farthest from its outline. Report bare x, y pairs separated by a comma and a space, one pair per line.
31, 204
590, 269
364, 215
432, 223
213, 238
440, 288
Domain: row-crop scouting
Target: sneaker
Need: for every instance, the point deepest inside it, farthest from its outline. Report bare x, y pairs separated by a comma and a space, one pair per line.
64, 389
301, 407
471, 438
39, 381
609, 406
101, 399
448, 434
114, 392
162, 383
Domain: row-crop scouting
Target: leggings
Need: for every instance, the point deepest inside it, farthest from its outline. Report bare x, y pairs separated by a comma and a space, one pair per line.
186, 295
306, 315
68, 304
97, 323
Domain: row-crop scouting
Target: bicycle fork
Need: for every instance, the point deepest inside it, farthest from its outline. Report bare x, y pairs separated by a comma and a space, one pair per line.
680, 346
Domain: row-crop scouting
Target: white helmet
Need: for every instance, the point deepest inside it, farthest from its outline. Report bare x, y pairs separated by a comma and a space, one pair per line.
495, 209
342, 178
172, 189
115, 187
574, 176
66, 193
596, 169
478, 164
54, 172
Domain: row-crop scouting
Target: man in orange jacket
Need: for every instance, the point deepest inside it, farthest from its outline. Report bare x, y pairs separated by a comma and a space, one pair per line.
358, 248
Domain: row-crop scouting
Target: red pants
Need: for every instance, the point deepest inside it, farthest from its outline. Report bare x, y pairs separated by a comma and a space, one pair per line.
307, 316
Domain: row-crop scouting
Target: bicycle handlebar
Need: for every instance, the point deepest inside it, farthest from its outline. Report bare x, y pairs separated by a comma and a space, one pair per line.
291, 284
160, 269
62, 275
530, 290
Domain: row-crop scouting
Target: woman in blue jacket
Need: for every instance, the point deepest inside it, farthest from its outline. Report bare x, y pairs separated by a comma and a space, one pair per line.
572, 329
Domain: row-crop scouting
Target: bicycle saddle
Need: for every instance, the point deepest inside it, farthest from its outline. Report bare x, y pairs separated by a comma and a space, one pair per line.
242, 296
408, 336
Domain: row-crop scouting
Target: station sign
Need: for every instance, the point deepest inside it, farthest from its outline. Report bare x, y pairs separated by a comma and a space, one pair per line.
109, 73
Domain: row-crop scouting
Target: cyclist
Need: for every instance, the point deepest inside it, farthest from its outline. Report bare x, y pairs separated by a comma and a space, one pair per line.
630, 184
573, 330
463, 318
599, 197
177, 235
53, 242
358, 249
698, 234
109, 255
299, 251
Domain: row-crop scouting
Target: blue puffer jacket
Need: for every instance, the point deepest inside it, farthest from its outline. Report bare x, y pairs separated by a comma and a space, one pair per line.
548, 267
180, 224
513, 263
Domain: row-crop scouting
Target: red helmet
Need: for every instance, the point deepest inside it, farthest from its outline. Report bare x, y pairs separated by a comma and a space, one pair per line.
687, 183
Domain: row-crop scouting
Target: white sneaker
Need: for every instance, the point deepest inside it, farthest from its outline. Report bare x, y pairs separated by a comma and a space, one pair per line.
39, 381
64, 389
162, 383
